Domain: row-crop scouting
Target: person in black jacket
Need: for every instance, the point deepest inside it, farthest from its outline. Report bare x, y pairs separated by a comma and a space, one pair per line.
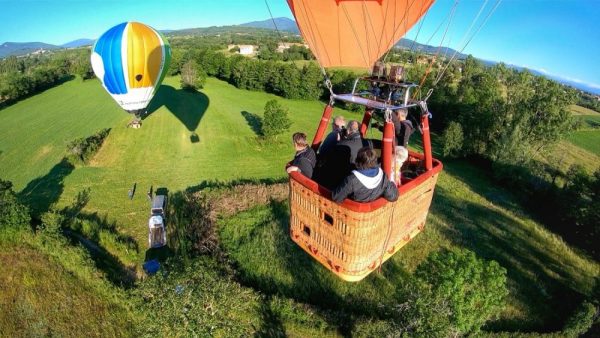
367, 183
352, 143
402, 127
305, 159
339, 161
338, 131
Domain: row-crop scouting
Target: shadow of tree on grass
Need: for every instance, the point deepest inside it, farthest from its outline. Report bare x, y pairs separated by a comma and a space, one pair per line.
254, 122
44, 191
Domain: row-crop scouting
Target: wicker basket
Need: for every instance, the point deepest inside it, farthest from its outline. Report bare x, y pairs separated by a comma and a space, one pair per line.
352, 239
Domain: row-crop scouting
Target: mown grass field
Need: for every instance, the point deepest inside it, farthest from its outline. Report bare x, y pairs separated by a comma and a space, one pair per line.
579, 110
161, 154
588, 135
190, 139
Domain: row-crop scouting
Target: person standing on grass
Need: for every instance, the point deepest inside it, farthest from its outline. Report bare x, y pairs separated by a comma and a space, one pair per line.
367, 183
305, 159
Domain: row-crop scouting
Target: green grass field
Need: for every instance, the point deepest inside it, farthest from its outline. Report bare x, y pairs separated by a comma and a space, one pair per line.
49, 289
587, 139
161, 154
191, 138
588, 135
579, 110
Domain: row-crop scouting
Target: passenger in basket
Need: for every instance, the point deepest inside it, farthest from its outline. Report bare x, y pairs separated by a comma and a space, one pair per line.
367, 183
305, 159
339, 162
402, 127
338, 131
352, 141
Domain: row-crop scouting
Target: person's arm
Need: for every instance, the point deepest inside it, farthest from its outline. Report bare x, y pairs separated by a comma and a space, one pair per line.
390, 191
343, 190
305, 167
408, 130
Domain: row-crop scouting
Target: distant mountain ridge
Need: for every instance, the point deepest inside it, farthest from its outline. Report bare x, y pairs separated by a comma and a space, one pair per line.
22, 48
78, 43
415, 46
283, 24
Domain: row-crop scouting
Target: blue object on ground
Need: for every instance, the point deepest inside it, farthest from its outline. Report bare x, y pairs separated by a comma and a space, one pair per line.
151, 266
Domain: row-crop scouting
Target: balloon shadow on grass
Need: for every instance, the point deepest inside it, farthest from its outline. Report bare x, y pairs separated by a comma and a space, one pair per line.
187, 105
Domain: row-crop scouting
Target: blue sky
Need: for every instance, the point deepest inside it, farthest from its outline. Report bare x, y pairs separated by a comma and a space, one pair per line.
559, 37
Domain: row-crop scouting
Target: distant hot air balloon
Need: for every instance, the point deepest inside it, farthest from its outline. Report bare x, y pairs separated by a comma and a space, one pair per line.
131, 59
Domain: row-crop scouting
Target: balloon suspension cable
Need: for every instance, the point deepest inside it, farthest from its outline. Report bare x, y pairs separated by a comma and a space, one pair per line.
424, 109
428, 71
456, 52
388, 115
402, 22
273, 19
313, 37
414, 42
362, 53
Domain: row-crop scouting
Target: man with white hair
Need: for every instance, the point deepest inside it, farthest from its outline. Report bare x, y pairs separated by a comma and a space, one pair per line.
338, 129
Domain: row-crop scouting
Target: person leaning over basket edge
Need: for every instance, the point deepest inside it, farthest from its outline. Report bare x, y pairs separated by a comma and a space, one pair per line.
367, 183
305, 159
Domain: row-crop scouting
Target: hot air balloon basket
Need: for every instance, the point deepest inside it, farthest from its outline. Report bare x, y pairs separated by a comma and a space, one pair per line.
353, 239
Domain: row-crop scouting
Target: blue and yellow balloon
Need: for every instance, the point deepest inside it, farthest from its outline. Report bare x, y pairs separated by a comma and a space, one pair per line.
131, 60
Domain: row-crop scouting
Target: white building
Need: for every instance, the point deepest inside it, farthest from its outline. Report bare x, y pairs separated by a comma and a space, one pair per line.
244, 49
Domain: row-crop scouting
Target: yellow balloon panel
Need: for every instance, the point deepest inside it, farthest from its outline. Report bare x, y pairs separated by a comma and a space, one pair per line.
144, 55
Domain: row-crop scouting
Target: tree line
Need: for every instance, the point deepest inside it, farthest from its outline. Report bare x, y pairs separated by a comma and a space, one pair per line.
589, 101
280, 78
510, 122
21, 77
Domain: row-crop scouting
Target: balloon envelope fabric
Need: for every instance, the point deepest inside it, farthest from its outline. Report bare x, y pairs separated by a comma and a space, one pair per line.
131, 60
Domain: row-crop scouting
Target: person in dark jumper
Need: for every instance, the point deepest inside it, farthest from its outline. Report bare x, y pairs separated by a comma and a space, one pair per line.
367, 183
339, 162
402, 127
338, 131
305, 159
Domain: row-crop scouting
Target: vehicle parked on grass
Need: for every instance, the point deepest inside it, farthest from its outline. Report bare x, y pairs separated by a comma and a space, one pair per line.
157, 234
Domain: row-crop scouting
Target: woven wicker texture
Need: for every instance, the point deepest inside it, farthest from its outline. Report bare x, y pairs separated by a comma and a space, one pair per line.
353, 244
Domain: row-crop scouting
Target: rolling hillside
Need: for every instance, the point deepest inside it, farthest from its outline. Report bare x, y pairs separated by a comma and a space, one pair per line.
192, 139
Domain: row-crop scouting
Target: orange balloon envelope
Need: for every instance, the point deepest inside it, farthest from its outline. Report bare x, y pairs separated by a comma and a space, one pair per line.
355, 33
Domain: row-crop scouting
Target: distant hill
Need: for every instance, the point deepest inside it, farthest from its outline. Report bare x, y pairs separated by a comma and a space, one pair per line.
568, 82
78, 43
217, 30
408, 44
22, 48
283, 24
